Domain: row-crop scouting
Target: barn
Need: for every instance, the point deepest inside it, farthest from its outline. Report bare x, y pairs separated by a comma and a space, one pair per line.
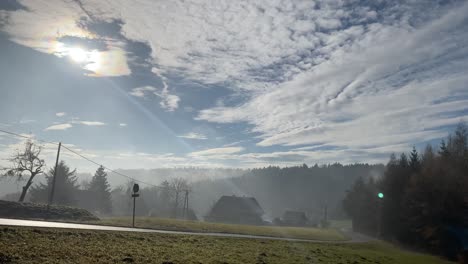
236, 210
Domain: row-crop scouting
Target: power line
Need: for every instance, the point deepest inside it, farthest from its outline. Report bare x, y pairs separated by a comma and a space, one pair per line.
109, 169
26, 137
83, 157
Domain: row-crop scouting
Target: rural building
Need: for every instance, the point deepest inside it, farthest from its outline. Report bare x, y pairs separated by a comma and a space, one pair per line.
236, 210
294, 218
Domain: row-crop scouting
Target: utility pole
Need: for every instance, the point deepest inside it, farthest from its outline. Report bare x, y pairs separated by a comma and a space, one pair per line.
325, 213
185, 210
52, 191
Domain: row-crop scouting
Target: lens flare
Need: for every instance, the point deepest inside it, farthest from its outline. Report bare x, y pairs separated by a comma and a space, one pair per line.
78, 55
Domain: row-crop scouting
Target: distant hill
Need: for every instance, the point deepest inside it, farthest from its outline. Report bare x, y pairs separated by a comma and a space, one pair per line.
302, 188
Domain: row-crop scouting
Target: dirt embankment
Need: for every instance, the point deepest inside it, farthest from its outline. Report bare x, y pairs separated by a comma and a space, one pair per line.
39, 211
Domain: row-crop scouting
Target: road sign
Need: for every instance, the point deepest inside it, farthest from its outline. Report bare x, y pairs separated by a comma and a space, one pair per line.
135, 195
136, 187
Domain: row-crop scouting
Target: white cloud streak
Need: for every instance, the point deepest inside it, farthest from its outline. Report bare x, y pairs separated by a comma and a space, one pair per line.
216, 151
89, 123
169, 102
59, 127
193, 135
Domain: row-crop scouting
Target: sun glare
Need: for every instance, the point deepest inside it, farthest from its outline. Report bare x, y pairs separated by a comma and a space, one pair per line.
77, 54
110, 62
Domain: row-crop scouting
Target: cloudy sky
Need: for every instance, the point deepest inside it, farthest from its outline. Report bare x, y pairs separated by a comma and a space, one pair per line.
213, 83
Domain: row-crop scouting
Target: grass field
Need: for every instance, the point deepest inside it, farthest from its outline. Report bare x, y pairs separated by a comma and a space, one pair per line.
341, 224
195, 226
37, 245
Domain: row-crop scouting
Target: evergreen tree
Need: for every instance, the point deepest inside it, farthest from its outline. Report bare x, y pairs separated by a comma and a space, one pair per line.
443, 150
414, 162
66, 186
428, 156
403, 162
424, 197
100, 190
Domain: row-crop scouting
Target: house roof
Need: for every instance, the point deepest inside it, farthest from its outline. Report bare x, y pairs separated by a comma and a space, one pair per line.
239, 205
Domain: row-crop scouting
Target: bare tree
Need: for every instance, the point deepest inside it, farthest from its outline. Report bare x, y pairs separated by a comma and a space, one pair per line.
26, 164
178, 185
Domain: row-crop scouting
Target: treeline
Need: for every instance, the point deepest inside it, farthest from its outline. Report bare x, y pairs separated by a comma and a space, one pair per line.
425, 196
311, 189
97, 196
94, 196
165, 200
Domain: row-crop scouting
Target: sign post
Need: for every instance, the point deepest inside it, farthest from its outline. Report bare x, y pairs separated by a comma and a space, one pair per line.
135, 194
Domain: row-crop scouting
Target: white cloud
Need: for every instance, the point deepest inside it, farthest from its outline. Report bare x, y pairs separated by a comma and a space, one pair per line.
169, 102
65, 126
142, 91
193, 135
122, 124
216, 151
59, 127
89, 123
327, 73
386, 88
61, 114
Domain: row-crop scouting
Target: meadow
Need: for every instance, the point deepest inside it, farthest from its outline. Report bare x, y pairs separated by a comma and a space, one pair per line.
43, 245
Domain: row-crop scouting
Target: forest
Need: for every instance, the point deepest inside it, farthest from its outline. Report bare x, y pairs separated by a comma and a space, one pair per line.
424, 196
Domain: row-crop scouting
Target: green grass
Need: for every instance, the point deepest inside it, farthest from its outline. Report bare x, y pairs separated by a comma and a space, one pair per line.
37, 245
196, 226
340, 224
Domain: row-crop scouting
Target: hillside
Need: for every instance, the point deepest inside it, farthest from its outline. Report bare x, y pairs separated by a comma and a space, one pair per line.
303, 188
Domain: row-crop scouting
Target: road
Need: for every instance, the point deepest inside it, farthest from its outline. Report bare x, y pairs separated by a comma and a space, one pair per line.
355, 238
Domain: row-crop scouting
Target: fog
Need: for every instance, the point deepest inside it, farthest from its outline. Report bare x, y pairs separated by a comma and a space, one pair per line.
308, 189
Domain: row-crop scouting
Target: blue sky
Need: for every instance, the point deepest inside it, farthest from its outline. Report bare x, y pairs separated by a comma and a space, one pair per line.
232, 83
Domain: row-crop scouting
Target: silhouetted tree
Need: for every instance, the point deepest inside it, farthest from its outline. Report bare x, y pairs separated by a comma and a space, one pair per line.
178, 186
66, 187
99, 189
423, 196
26, 164
414, 161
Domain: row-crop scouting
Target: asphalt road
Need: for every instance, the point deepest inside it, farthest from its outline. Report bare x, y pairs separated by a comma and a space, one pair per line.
355, 238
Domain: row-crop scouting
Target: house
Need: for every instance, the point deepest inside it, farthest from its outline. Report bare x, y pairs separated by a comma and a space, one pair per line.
236, 210
294, 218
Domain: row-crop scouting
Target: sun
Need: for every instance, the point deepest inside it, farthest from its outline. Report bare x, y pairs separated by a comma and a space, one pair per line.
91, 60
78, 54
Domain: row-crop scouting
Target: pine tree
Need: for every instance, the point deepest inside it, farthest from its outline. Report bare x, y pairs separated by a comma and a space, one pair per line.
428, 156
66, 186
443, 149
415, 162
403, 162
100, 190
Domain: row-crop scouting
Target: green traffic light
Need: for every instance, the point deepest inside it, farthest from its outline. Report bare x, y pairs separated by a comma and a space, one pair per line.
380, 195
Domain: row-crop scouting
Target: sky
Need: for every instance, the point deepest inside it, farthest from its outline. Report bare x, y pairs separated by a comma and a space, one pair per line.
177, 83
